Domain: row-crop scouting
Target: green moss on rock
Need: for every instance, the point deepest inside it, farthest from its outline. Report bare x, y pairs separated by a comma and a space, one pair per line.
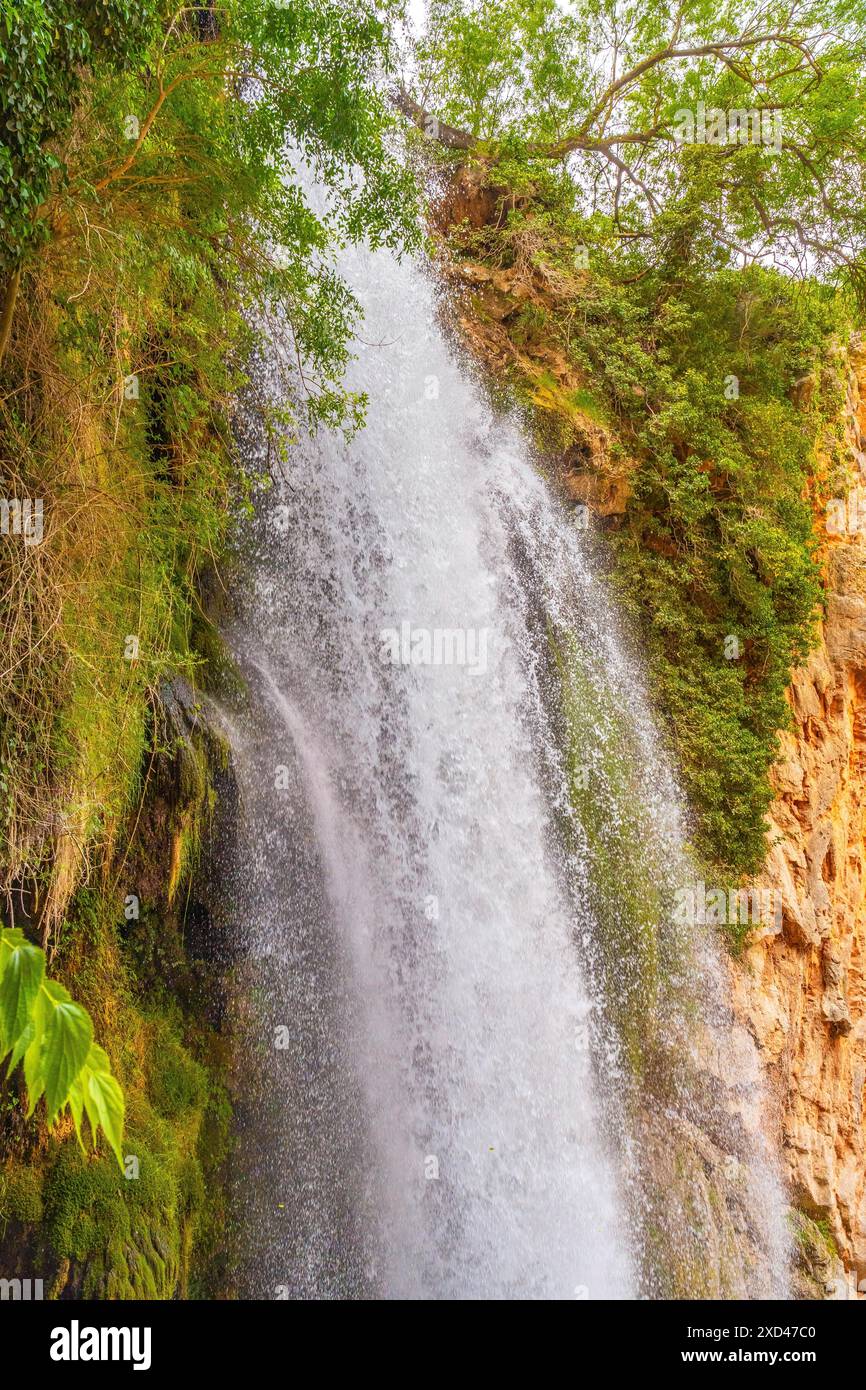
176, 1082
20, 1194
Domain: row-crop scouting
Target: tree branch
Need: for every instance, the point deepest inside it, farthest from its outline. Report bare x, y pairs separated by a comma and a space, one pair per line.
13, 284
446, 135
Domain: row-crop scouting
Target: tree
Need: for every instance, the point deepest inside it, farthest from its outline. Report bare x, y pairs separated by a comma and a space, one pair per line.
46, 47
753, 114
197, 114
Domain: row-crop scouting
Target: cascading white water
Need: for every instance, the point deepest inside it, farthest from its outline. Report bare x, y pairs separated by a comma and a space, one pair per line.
435, 1095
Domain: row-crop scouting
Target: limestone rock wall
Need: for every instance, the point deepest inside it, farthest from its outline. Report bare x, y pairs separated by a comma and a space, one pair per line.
801, 987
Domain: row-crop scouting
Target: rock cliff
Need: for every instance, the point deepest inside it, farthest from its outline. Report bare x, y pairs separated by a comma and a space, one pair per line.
800, 985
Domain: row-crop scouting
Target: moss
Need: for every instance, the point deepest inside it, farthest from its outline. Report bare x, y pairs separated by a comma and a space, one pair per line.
813, 1236
138, 1236
176, 1083
624, 890
192, 778
210, 1262
818, 1267
218, 670
823, 1229
123, 1231
134, 1233
587, 403
20, 1194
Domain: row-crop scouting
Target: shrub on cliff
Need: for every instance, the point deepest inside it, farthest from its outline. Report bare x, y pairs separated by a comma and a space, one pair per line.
682, 200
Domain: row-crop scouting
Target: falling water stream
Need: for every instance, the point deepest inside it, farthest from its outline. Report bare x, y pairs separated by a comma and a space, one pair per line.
443, 950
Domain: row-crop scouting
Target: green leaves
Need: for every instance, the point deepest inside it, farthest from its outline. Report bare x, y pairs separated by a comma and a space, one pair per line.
103, 1099
45, 48
68, 1036
43, 1027
23, 968
95, 1092
778, 174
717, 540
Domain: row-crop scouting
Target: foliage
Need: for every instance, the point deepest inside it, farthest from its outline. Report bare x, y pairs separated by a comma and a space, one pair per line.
45, 48
606, 87
696, 372
716, 275
158, 227
124, 1234
156, 1228
52, 1037
160, 258
20, 1195
717, 549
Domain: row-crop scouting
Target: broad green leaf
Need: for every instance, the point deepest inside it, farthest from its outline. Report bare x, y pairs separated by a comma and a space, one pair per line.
68, 1035
90, 1106
108, 1099
57, 993
34, 1077
96, 1064
10, 938
97, 1059
103, 1101
76, 1101
21, 1047
19, 986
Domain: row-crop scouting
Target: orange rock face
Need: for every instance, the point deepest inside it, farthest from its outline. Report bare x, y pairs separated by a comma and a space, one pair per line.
801, 989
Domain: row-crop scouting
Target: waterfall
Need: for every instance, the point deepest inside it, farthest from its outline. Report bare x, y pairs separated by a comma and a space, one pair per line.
476, 1057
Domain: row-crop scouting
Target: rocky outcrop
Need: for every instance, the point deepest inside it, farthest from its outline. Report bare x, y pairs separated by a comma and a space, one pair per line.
500, 315
800, 985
